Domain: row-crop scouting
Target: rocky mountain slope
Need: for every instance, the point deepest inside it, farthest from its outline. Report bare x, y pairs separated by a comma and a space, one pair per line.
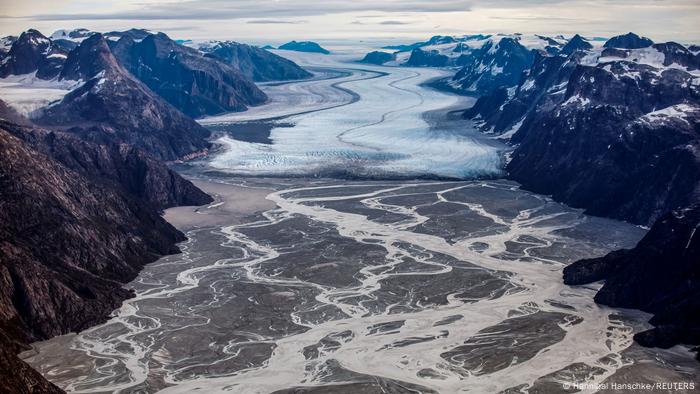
16, 376
118, 165
6, 43
619, 117
421, 58
195, 84
81, 196
661, 275
113, 106
255, 63
65, 235
74, 234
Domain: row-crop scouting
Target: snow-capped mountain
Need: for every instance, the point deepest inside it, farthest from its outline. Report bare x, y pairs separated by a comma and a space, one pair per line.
32, 52
613, 115
70, 39
213, 78
90, 92
455, 46
111, 104
486, 61
576, 43
493, 65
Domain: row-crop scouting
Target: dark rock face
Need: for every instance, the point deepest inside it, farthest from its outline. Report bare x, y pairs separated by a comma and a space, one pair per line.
378, 57
32, 52
606, 149
628, 41
577, 43
256, 63
494, 66
15, 375
120, 166
617, 138
661, 275
421, 58
304, 46
112, 106
195, 84
5, 45
64, 235
675, 53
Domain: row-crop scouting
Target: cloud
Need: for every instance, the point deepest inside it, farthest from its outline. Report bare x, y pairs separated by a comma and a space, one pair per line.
242, 9
394, 23
534, 18
274, 22
220, 9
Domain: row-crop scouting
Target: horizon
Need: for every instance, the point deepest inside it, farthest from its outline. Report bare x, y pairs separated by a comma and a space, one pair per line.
384, 21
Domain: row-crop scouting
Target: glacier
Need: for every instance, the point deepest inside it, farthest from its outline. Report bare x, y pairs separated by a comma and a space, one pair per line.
367, 122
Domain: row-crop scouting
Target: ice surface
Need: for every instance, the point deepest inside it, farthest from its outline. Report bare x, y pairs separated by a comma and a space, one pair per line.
381, 134
28, 94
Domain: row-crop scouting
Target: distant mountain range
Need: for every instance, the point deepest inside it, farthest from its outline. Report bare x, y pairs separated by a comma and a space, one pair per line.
210, 79
611, 127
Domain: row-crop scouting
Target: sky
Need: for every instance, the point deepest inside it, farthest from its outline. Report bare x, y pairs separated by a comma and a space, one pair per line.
277, 21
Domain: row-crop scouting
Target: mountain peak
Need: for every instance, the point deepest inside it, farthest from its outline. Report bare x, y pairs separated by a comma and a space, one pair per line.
628, 41
576, 43
32, 52
34, 38
90, 58
304, 46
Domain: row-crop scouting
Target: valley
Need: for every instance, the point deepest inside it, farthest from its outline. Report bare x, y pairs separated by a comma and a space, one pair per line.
342, 255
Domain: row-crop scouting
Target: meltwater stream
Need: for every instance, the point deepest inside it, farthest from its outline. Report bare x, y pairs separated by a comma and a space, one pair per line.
365, 286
